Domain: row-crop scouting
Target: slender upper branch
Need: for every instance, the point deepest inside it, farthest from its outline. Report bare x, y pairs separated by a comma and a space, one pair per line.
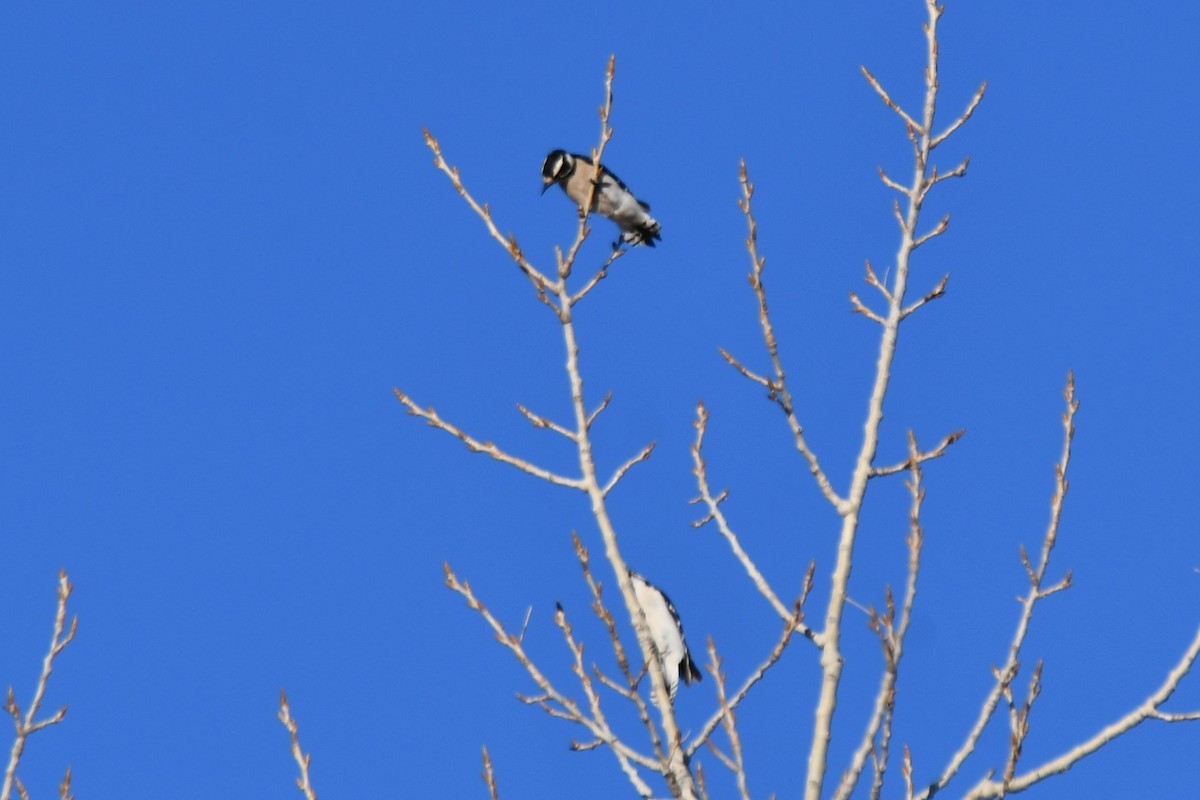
27, 724
641, 456
891, 632
921, 456
1149, 709
777, 387
1006, 673
736, 763
553, 701
699, 469
476, 446
303, 760
629, 691
509, 243
789, 628
489, 776
831, 657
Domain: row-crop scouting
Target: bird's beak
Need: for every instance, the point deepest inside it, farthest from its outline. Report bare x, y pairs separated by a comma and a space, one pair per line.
546, 185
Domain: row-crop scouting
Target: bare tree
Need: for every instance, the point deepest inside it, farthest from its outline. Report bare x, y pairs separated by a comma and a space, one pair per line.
664, 753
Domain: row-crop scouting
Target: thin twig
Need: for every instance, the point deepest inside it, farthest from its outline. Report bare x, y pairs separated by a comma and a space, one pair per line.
736, 763
302, 759
832, 659
1149, 709
711, 724
891, 632
909, 122
641, 456
937, 230
932, 294
540, 282
565, 264
64, 788
962, 118
489, 776
591, 418
629, 692
860, 308
777, 387
925, 455
476, 446
699, 469
26, 725
600, 275
1005, 674
551, 700
538, 421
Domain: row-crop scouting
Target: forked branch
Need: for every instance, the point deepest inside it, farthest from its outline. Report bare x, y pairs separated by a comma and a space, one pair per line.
509, 243
777, 389
713, 504
551, 700
476, 446
27, 724
1036, 573
891, 631
731, 703
1151, 708
908, 219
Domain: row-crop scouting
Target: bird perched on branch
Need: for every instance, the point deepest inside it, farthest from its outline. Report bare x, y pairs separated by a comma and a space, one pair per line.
612, 198
666, 631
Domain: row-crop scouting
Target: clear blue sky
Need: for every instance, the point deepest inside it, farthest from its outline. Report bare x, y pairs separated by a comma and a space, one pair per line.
222, 243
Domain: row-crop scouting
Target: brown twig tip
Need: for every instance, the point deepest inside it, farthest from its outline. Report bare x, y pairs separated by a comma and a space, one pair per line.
611, 70
489, 775
64, 788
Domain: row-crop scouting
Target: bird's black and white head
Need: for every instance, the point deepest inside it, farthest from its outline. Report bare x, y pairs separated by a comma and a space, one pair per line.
666, 631
557, 167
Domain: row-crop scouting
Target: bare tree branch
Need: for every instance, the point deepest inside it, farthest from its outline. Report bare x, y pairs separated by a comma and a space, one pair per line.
1149, 709
777, 387
302, 759
554, 702
909, 122
938, 230
641, 456
736, 763
489, 776
732, 703
859, 308
476, 446
713, 504
962, 118
1004, 675
891, 632
925, 455
25, 725
64, 788
933, 294
600, 275
538, 421
509, 243
630, 691
873, 279
831, 657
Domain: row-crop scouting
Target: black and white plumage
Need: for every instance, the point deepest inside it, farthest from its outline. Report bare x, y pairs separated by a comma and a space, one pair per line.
612, 198
666, 630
